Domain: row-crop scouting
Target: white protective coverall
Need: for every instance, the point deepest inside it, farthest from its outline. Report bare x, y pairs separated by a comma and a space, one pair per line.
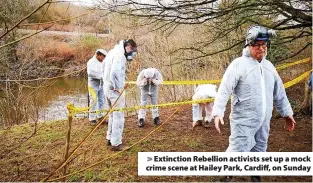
94, 72
203, 92
253, 86
149, 89
114, 82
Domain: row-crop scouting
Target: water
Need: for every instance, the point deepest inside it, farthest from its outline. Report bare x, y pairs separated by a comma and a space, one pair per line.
49, 103
59, 94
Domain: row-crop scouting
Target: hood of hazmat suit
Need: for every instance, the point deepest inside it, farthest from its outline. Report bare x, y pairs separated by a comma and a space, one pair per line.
147, 75
94, 68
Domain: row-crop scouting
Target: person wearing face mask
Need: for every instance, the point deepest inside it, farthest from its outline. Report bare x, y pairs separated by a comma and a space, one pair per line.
148, 81
254, 85
114, 83
94, 73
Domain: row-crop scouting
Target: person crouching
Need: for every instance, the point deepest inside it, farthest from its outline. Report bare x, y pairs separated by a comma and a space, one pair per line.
203, 92
148, 81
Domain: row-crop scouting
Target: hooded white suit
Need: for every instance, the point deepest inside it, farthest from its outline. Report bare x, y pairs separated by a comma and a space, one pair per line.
149, 89
114, 82
254, 87
94, 73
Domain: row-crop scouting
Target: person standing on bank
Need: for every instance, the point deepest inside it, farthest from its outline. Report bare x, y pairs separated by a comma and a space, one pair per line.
148, 81
114, 83
254, 84
94, 72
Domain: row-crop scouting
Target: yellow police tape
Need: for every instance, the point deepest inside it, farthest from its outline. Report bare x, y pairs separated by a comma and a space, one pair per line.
70, 107
83, 110
283, 66
94, 96
92, 91
297, 80
76, 110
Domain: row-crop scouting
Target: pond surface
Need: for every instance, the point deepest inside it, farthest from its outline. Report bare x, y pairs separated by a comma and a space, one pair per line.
51, 100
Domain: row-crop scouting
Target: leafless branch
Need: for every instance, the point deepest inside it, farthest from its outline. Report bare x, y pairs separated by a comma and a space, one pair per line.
20, 21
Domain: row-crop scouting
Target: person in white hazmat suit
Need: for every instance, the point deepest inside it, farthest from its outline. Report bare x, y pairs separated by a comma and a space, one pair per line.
94, 72
204, 91
254, 85
114, 83
148, 81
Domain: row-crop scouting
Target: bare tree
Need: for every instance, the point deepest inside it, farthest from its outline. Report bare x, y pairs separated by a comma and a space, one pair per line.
15, 108
226, 20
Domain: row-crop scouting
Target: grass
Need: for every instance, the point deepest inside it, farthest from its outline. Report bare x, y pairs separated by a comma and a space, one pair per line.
74, 178
53, 136
194, 144
90, 176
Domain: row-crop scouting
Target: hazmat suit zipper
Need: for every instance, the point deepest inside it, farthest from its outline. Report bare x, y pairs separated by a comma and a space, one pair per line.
263, 94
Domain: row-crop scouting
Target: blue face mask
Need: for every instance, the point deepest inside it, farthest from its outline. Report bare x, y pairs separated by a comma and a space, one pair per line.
130, 56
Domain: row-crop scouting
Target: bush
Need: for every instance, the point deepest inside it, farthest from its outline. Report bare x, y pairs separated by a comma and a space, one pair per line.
91, 42
86, 46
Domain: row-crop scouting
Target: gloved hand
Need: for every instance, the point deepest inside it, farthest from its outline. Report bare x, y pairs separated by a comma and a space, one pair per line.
117, 90
290, 123
153, 81
217, 121
126, 85
143, 82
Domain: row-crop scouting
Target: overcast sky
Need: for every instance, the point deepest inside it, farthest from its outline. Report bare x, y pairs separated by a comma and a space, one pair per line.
84, 2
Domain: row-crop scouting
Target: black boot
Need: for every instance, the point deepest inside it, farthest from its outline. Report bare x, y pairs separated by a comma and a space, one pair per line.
93, 122
141, 122
156, 121
256, 179
117, 148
